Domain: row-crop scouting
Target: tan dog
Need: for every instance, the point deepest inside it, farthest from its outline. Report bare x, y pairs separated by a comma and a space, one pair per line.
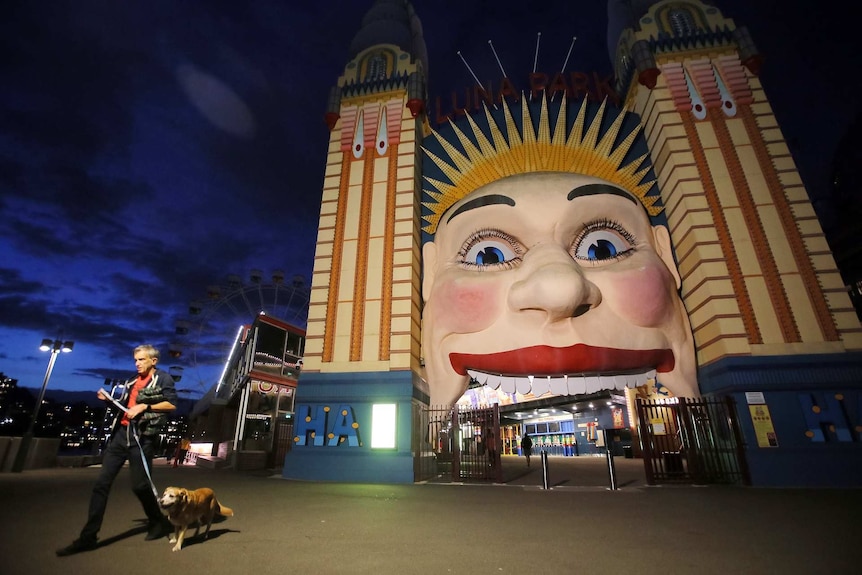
186, 506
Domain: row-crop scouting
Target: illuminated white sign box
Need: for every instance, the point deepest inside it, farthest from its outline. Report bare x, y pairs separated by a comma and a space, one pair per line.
383, 425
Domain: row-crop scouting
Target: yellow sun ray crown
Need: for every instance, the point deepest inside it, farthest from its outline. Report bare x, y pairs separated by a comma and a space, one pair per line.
535, 151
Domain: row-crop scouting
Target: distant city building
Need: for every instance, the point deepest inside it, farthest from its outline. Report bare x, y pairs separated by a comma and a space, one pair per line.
16, 405
7, 384
81, 424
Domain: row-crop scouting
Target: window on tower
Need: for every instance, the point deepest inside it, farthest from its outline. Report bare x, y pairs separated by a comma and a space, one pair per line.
682, 22
376, 68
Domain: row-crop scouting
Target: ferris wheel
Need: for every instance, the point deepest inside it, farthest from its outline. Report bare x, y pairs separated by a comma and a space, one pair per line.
204, 337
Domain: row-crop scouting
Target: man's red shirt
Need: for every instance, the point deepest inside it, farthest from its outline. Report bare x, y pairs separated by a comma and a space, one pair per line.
139, 384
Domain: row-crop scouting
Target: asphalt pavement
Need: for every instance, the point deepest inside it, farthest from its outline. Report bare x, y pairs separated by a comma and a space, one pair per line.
576, 525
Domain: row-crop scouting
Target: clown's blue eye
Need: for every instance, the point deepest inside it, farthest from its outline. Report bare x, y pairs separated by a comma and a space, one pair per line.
603, 241
490, 250
600, 245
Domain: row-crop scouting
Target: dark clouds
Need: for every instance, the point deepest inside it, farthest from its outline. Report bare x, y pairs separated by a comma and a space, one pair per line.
147, 151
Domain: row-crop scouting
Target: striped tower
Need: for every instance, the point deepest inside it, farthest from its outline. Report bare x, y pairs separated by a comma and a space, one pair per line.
773, 324
362, 347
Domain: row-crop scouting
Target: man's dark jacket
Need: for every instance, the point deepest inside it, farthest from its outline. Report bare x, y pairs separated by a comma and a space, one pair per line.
160, 388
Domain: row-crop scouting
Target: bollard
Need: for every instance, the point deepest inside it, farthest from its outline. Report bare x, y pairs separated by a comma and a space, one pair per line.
545, 469
612, 471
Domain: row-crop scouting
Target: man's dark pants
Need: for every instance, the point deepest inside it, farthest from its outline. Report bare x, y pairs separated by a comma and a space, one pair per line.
121, 447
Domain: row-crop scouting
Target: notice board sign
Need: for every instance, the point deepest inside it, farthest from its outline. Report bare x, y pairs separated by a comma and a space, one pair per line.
763, 429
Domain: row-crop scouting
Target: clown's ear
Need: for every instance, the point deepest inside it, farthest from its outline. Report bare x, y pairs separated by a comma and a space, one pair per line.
429, 266
661, 235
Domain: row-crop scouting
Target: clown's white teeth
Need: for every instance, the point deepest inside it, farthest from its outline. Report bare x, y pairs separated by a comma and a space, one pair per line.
541, 385
485, 379
479, 376
507, 384
523, 385
575, 385
606, 382
560, 385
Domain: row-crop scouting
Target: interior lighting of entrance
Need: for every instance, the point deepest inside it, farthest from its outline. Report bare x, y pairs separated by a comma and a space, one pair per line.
564, 384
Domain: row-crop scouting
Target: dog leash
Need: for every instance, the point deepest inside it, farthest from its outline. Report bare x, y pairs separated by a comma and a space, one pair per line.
134, 428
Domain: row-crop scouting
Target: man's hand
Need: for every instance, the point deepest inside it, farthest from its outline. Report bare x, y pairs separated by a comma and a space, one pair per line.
137, 410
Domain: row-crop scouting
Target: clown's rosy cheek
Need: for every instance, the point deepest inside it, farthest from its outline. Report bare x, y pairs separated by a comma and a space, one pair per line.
466, 306
643, 296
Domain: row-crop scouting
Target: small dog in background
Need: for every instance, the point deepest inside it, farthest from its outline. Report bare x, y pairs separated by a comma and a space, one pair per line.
187, 506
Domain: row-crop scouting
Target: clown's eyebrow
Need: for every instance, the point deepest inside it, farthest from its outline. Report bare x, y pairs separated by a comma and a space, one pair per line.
488, 200
595, 189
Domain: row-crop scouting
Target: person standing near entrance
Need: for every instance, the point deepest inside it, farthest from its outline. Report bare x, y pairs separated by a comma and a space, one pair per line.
491, 447
527, 447
147, 398
182, 450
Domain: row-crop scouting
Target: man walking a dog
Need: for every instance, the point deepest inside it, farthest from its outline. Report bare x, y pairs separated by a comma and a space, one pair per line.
146, 401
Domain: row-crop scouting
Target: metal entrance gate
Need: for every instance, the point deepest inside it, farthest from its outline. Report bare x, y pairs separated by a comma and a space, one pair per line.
691, 441
466, 442
282, 444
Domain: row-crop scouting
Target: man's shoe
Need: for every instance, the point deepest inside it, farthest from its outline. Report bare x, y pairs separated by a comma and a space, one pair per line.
159, 529
77, 546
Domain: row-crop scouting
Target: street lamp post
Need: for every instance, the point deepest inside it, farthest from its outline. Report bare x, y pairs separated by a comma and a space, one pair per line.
55, 347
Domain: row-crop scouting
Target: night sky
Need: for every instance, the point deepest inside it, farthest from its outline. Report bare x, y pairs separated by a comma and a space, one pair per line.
150, 149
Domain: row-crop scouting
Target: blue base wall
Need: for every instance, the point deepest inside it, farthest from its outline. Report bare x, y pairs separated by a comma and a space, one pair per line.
359, 467
344, 401
814, 405
787, 467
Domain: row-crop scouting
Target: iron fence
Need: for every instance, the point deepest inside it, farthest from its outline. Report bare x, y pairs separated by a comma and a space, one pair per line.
462, 442
691, 441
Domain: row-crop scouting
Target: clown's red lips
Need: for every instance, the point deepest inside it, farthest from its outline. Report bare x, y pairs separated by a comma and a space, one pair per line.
576, 359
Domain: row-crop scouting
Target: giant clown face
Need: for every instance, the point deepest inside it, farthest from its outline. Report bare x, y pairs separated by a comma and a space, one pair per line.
552, 282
